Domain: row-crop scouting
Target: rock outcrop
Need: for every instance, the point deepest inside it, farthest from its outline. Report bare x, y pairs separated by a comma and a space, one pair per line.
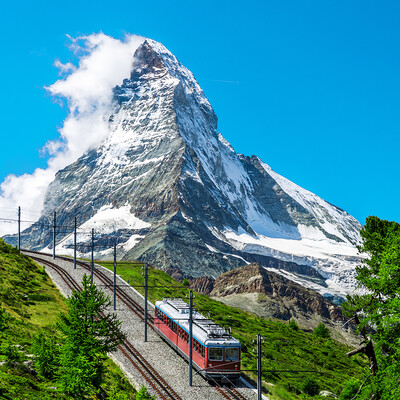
270, 295
171, 191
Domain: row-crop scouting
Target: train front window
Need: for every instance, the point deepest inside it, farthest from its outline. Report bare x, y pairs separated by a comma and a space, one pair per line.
232, 354
215, 354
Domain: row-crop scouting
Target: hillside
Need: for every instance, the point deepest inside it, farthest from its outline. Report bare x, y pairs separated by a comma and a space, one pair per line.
286, 348
29, 304
271, 295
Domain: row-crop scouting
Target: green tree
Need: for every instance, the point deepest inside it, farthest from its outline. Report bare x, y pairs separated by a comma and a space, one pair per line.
89, 334
377, 310
46, 355
322, 331
310, 386
185, 283
293, 325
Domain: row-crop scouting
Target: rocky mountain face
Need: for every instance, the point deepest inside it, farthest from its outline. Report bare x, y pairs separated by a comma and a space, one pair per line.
170, 190
270, 295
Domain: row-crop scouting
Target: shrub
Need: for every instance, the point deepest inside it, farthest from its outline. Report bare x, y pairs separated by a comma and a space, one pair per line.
12, 353
322, 331
185, 283
143, 394
46, 355
293, 325
3, 319
310, 387
350, 390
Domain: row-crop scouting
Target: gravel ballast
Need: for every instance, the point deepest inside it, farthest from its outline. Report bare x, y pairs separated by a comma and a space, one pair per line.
166, 361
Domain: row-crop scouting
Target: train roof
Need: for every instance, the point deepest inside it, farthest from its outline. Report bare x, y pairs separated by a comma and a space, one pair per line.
204, 330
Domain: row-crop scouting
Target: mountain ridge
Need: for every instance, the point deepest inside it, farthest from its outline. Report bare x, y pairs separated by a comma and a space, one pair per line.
191, 201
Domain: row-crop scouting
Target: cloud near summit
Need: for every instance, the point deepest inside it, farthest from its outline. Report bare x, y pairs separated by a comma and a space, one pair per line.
103, 63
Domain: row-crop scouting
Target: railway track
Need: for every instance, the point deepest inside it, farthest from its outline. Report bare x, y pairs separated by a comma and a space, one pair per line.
134, 306
162, 388
230, 393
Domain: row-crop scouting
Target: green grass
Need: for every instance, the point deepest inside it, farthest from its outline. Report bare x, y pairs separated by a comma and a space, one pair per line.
32, 304
283, 349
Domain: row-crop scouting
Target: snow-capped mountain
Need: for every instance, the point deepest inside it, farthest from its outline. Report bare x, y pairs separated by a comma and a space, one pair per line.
172, 191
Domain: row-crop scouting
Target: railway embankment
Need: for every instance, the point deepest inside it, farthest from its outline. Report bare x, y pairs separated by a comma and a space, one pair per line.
30, 305
163, 359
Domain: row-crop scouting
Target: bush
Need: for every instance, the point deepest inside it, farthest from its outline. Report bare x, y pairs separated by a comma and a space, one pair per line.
46, 355
185, 283
293, 325
12, 353
3, 319
322, 331
310, 387
350, 390
143, 394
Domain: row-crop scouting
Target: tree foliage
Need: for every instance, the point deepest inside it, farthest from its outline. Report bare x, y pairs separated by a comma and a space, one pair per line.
143, 394
322, 331
46, 355
3, 319
350, 390
310, 386
89, 334
377, 309
293, 325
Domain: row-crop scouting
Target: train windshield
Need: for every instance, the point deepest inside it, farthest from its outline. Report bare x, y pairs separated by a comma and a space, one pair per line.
232, 354
215, 353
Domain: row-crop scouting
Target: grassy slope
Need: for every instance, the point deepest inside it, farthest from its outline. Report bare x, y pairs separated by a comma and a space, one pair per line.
283, 349
32, 303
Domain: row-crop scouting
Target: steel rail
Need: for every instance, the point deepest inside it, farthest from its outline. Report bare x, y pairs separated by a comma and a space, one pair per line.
164, 385
228, 393
151, 375
122, 295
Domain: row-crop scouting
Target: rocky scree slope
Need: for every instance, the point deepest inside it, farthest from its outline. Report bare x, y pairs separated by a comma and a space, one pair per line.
270, 295
172, 191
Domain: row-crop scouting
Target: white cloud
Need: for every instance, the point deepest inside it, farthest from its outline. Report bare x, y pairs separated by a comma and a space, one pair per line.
87, 88
64, 68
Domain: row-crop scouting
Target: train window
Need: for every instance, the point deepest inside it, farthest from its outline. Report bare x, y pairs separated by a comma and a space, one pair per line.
232, 354
215, 353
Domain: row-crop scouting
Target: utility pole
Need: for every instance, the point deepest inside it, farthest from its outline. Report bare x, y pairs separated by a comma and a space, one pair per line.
258, 367
145, 300
115, 276
91, 259
54, 235
75, 243
190, 337
19, 228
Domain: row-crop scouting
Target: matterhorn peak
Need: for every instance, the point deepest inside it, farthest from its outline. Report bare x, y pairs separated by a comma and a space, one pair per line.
194, 204
149, 59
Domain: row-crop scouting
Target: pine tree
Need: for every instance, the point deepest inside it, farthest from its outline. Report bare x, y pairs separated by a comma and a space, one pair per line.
377, 310
89, 334
322, 331
46, 355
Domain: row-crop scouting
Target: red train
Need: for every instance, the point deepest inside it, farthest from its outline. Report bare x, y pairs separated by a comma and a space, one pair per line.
216, 354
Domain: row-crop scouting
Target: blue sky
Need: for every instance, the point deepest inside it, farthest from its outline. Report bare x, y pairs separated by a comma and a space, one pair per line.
311, 87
